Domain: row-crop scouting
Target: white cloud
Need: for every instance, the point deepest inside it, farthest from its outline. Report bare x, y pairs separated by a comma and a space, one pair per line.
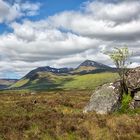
70, 37
121, 12
30, 44
30, 9
10, 12
109, 21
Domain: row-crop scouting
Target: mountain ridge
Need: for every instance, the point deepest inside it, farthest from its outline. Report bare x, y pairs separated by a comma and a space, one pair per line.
65, 70
55, 77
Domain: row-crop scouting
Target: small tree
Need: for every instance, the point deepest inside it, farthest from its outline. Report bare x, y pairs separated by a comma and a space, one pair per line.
120, 57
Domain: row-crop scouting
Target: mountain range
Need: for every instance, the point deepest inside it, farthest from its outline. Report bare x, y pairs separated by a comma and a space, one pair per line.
51, 77
84, 68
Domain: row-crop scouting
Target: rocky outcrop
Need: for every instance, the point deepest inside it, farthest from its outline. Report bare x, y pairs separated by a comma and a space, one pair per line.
132, 78
106, 99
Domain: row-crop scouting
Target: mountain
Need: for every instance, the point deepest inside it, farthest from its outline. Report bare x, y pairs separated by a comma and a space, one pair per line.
49, 77
48, 69
86, 67
89, 63
41, 76
89, 66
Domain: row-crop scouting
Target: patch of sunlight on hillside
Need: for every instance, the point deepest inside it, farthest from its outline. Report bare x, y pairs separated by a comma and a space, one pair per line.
20, 83
91, 81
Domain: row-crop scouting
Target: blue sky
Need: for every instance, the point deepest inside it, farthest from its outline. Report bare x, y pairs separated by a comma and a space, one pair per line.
63, 33
48, 8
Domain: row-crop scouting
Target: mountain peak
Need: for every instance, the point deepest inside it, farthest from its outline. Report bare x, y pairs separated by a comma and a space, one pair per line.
87, 63
90, 63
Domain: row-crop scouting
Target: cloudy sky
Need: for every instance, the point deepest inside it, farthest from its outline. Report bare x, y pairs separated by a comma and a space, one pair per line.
63, 33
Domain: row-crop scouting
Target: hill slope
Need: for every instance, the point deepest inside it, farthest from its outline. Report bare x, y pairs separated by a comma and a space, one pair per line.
50, 81
83, 77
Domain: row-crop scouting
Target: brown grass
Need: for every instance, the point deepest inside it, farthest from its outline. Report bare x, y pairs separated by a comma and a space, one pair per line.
58, 116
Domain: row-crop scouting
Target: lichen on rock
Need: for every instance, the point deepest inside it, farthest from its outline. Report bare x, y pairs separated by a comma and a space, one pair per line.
105, 99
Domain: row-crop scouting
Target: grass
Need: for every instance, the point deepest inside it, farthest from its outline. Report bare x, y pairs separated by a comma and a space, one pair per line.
20, 83
57, 115
49, 81
126, 100
90, 81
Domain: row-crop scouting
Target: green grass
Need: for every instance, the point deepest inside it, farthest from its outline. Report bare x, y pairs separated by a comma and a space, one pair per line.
49, 81
125, 106
90, 81
20, 83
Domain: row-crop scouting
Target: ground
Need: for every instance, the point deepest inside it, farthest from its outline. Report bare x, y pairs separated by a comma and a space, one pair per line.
58, 115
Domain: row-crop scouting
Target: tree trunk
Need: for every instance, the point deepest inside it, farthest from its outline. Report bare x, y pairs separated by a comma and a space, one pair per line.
124, 87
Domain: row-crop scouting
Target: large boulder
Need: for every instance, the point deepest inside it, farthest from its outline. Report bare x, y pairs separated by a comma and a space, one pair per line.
132, 78
106, 99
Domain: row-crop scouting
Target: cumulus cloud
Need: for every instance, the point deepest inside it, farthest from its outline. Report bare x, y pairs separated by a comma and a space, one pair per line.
10, 12
70, 37
109, 21
129, 10
30, 44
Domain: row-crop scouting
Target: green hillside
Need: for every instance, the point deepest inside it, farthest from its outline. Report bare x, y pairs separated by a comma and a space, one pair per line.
50, 81
90, 81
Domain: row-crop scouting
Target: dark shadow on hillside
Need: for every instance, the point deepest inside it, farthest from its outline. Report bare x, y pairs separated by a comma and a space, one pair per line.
45, 84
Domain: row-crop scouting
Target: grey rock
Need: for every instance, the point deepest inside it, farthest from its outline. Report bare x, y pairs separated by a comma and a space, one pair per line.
137, 96
106, 99
135, 103
132, 78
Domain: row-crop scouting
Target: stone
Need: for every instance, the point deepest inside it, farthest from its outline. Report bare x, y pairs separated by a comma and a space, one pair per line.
137, 96
105, 99
33, 93
132, 78
136, 101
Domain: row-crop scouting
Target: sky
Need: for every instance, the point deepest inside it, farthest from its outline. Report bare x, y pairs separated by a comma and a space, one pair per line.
64, 33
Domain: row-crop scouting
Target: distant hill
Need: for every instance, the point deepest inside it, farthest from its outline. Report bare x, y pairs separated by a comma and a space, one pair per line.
49, 78
4, 83
46, 69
